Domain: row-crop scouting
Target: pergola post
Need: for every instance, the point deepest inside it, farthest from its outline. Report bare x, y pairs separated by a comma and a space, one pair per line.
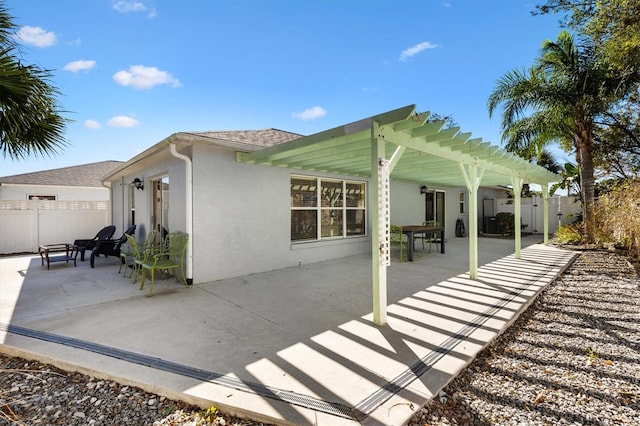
379, 225
472, 181
545, 198
516, 183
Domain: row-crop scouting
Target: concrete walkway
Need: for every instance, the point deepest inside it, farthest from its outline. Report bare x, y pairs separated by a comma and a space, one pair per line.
293, 346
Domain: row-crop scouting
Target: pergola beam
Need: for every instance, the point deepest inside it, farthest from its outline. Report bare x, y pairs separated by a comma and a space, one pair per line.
403, 145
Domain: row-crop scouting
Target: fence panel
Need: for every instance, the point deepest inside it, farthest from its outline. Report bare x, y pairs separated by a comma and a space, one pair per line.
562, 210
25, 225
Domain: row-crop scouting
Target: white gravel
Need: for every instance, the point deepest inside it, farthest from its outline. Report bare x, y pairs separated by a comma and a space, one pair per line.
573, 358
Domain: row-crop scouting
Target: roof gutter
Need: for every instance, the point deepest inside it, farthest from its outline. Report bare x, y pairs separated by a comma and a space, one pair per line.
181, 138
188, 174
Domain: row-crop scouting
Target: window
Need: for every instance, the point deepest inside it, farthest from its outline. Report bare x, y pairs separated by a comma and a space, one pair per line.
326, 208
462, 209
42, 197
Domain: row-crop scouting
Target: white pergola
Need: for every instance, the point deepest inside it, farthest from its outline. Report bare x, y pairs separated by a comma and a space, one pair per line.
403, 145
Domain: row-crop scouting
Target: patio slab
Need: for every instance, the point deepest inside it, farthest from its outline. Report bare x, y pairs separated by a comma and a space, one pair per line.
293, 346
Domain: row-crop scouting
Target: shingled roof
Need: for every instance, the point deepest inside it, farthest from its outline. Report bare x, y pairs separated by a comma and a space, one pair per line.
83, 175
262, 138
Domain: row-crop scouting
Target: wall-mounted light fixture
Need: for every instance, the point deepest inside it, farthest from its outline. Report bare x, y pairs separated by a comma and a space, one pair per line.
138, 183
423, 189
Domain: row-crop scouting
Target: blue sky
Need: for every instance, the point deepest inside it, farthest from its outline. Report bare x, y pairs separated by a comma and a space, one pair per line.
132, 72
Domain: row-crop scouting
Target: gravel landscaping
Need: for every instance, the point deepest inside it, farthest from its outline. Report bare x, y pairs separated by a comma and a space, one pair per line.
572, 359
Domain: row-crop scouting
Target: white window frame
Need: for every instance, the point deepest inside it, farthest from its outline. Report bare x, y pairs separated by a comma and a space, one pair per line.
319, 208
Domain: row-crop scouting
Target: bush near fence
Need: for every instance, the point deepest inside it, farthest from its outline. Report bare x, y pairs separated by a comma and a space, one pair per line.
617, 216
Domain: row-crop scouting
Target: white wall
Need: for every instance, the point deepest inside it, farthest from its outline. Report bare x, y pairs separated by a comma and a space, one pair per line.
408, 206
241, 212
63, 193
242, 219
162, 164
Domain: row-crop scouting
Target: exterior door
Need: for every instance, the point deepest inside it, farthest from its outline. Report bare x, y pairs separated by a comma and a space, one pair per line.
434, 207
160, 217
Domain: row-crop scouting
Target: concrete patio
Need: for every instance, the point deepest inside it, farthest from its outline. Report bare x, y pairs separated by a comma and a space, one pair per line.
292, 346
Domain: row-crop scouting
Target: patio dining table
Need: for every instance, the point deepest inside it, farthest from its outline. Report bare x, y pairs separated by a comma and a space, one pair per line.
412, 230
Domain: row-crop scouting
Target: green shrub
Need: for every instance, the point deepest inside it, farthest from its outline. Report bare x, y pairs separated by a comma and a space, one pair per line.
569, 234
505, 222
617, 216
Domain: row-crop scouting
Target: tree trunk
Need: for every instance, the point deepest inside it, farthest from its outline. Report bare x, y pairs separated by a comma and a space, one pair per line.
587, 183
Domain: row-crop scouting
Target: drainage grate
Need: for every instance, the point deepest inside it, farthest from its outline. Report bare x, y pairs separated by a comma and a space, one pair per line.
360, 412
289, 397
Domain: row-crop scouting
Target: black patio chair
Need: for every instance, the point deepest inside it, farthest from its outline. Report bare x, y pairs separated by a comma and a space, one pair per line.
111, 247
83, 245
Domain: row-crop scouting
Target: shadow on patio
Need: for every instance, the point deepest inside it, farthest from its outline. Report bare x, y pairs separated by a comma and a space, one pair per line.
291, 346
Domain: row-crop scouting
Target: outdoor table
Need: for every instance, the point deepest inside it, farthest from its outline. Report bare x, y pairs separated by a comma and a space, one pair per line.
411, 230
66, 248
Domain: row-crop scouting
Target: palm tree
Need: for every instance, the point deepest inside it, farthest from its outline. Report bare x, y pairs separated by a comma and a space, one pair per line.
30, 118
559, 99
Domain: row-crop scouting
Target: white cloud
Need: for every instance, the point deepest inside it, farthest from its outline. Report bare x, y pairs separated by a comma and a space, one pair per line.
414, 50
91, 124
129, 6
123, 6
80, 65
141, 77
310, 113
36, 36
123, 121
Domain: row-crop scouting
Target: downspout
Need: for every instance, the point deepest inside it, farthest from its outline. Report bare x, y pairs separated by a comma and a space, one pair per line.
110, 201
122, 193
189, 207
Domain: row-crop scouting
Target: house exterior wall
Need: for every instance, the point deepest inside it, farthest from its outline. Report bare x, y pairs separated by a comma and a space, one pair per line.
62, 193
408, 205
242, 219
242, 212
125, 197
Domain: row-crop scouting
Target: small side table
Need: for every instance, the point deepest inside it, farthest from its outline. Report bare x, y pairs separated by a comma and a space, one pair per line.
66, 248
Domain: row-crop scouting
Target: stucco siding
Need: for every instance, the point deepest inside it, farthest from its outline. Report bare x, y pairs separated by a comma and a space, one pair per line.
242, 220
62, 193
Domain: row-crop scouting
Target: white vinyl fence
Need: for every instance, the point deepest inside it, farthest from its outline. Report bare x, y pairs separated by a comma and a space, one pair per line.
25, 225
562, 210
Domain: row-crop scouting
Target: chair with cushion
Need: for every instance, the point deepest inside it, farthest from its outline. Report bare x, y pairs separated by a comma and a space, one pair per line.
111, 247
396, 238
88, 244
169, 260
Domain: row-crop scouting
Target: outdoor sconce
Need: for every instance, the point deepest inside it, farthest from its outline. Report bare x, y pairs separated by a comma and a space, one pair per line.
138, 183
423, 189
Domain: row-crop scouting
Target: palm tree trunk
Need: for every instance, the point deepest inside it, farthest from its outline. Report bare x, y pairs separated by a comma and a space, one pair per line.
587, 182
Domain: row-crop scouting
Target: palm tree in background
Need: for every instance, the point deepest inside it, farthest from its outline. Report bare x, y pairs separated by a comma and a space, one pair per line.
30, 117
559, 99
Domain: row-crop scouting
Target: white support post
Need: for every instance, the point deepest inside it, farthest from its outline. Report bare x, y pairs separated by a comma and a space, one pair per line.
516, 183
379, 225
545, 197
472, 181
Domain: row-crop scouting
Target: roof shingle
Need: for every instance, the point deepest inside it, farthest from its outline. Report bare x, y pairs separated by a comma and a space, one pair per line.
83, 175
263, 138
